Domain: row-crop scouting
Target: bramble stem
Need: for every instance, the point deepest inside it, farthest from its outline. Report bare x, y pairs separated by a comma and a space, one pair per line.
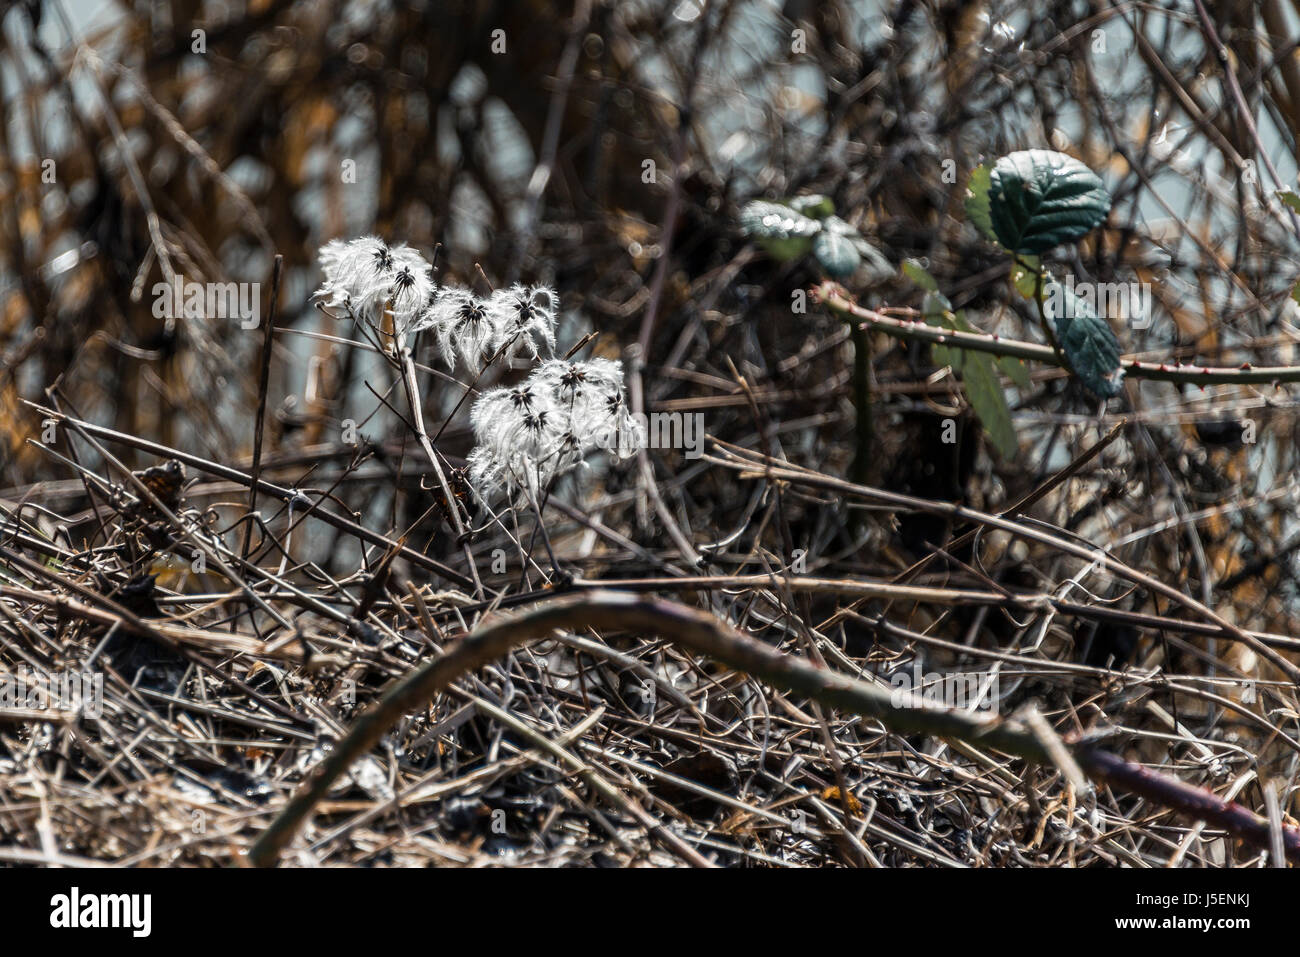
1246, 374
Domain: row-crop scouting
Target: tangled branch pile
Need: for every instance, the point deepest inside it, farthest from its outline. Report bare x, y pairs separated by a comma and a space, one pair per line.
242, 532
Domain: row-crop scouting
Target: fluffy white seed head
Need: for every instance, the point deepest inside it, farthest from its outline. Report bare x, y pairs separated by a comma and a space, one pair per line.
523, 440
486, 472
569, 382
462, 325
355, 275
527, 435
365, 276
524, 318
601, 419
411, 289
593, 394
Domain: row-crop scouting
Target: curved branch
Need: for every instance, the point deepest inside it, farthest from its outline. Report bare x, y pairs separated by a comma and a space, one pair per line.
704, 634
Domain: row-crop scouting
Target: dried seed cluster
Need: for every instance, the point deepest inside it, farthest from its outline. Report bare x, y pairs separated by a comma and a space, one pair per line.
526, 435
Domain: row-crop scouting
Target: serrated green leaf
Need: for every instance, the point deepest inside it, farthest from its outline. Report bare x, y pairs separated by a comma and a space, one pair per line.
836, 254
1295, 292
1039, 199
978, 374
814, 206
1087, 340
783, 233
1290, 198
937, 311
917, 273
977, 201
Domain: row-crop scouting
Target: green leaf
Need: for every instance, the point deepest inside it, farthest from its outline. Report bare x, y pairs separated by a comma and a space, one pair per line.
1015, 370
977, 201
978, 374
836, 254
984, 391
1290, 198
815, 206
1295, 292
1024, 275
935, 306
876, 265
914, 271
937, 311
1039, 199
782, 232
1087, 340
978, 371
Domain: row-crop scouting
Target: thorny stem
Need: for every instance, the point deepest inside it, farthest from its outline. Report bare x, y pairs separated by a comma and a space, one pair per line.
837, 301
704, 634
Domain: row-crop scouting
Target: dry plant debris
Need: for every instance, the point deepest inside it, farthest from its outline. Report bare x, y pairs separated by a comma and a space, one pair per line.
890, 576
